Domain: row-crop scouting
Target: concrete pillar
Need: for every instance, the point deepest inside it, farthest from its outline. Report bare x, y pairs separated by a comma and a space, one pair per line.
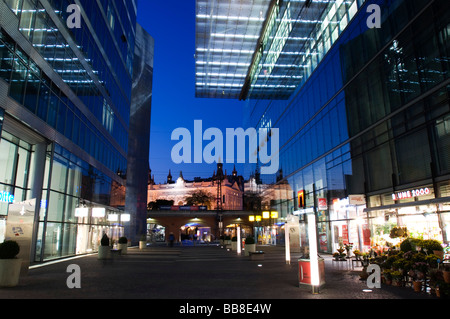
36, 184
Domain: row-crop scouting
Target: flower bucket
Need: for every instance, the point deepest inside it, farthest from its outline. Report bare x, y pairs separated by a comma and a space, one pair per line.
417, 286
10, 272
446, 276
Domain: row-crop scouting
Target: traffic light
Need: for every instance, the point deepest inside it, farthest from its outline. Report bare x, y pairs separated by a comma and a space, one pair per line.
301, 199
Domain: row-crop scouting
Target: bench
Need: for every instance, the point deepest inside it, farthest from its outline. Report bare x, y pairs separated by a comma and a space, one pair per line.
257, 255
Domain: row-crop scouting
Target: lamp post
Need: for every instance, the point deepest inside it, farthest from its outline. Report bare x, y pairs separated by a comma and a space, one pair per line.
287, 243
313, 253
239, 242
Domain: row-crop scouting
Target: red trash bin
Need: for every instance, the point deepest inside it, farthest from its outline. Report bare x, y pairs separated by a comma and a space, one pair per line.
304, 271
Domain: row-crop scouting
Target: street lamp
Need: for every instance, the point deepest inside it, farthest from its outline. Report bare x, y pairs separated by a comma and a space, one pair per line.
313, 253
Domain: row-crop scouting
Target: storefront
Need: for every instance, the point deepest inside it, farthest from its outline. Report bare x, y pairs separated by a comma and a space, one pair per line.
348, 225
73, 210
416, 211
412, 212
268, 228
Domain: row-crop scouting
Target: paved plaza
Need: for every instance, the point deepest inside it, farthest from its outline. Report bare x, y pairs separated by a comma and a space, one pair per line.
195, 273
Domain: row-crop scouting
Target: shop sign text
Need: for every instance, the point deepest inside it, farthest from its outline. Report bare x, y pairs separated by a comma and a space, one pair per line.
6, 197
411, 193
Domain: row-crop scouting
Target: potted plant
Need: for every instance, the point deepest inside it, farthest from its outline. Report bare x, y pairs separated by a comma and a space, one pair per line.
387, 274
143, 242
357, 254
436, 277
234, 243
123, 245
442, 289
397, 278
446, 274
434, 246
348, 248
104, 249
250, 245
340, 255
10, 265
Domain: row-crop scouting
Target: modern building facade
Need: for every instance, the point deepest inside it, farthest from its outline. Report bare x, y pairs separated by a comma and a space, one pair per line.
363, 111
66, 97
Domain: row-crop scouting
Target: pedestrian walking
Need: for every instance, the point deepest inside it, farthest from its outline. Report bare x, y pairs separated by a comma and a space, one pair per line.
171, 239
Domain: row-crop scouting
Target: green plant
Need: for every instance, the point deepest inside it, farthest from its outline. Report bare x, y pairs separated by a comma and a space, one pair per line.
432, 261
105, 240
234, 238
399, 263
249, 240
123, 240
397, 232
436, 276
389, 262
9, 249
387, 273
431, 244
227, 238
410, 244
396, 275
419, 257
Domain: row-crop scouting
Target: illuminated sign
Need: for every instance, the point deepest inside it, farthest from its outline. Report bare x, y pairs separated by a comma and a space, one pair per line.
322, 203
357, 200
98, 212
301, 199
125, 217
411, 193
113, 218
6, 197
81, 212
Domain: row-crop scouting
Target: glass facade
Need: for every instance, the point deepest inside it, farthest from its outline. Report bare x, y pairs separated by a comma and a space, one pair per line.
371, 119
226, 38
71, 184
67, 116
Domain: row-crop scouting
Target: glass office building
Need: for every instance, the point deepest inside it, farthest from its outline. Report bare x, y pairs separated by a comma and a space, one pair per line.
363, 113
65, 99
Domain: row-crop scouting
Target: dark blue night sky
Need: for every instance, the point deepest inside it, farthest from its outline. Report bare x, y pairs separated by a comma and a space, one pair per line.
172, 25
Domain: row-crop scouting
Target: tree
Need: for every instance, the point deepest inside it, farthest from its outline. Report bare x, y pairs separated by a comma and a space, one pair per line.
199, 197
252, 201
158, 203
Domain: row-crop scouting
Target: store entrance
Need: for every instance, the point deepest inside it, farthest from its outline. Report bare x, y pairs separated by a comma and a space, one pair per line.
157, 233
194, 233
